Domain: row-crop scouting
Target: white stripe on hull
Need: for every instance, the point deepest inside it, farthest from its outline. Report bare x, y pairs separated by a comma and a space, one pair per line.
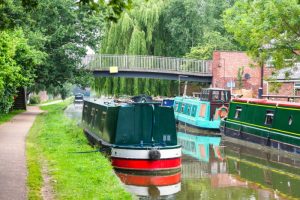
144, 153
144, 191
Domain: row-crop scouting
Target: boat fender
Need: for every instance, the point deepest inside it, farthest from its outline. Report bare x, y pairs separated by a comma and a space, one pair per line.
154, 154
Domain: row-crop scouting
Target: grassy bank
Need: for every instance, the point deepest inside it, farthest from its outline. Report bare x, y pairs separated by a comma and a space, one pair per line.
50, 143
6, 117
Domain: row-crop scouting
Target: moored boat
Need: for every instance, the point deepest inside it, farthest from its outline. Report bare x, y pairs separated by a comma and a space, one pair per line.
139, 136
269, 123
204, 111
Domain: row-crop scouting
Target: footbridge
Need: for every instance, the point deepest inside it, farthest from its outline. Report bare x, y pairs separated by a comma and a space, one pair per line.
149, 67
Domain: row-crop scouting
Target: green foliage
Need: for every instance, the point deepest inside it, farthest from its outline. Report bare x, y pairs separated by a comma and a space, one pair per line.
134, 86
274, 87
34, 99
67, 31
18, 63
50, 144
240, 76
268, 28
133, 33
170, 28
137, 45
211, 41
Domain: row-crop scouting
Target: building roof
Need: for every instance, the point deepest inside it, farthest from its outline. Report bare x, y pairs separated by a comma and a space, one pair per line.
290, 73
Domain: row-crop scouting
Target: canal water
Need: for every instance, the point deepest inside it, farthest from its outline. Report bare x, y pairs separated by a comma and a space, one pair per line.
217, 168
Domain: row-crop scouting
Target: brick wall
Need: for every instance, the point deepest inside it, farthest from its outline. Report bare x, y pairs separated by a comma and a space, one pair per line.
225, 67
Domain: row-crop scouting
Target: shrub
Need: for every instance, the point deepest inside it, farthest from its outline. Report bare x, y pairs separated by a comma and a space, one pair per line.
35, 99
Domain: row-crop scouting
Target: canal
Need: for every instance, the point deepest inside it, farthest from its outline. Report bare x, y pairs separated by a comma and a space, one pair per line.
217, 168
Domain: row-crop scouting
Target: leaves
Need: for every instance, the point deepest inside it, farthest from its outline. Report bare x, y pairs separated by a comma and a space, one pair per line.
268, 28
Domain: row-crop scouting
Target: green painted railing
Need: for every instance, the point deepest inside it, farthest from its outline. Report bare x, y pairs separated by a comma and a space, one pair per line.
98, 62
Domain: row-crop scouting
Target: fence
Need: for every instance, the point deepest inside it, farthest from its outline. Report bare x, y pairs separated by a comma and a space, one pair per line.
147, 63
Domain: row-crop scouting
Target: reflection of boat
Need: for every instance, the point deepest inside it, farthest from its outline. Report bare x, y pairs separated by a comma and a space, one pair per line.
204, 111
140, 136
265, 168
270, 123
153, 186
203, 148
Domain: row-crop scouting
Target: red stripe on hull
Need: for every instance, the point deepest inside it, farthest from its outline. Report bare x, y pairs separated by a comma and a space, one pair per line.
129, 179
135, 164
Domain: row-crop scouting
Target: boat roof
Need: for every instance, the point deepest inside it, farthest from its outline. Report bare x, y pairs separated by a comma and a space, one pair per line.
267, 102
216, 89
113, 103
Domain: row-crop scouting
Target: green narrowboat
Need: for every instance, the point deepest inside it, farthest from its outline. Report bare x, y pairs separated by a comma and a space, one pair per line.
203, 111
271, 123
139, 136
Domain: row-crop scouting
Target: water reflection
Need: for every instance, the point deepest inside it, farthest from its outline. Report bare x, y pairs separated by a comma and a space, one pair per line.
217, 168
151, 186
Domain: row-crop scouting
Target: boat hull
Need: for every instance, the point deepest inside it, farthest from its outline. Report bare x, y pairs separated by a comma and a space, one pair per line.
146, 159
258, 139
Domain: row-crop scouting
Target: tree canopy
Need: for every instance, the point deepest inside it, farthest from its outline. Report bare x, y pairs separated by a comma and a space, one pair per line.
268, 28
42, 42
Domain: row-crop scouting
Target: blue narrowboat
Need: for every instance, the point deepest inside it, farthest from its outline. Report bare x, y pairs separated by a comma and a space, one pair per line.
204, 111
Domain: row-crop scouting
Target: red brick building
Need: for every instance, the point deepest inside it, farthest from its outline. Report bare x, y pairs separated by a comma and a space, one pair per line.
225, 69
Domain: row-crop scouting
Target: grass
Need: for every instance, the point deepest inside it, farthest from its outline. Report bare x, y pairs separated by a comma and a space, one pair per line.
51, 140
6, 117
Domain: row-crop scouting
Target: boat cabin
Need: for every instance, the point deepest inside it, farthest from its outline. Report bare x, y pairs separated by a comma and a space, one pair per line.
130, 124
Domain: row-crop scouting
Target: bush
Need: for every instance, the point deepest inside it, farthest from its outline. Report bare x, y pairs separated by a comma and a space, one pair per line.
35, 99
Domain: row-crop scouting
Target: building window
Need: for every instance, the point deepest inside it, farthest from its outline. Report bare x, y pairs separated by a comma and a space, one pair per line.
238, 111
269, 117
290, 120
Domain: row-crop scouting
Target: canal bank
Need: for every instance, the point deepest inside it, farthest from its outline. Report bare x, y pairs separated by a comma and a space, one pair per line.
56, 140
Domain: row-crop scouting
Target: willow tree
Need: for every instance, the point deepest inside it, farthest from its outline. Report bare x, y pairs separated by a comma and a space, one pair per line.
133, 33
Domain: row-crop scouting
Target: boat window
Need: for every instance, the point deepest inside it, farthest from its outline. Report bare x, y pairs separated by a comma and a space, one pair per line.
269, 117
176, 106
202, 110
215, 95
188, 110
179, 107
224, 96
182, 108
204, 96
290, 120
238, 111
194, 109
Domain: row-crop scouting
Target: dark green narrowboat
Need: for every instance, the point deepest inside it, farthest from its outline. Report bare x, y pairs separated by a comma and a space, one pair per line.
140, 136
270, 123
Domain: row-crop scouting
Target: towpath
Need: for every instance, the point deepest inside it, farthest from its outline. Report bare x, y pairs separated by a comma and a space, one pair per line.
13, 170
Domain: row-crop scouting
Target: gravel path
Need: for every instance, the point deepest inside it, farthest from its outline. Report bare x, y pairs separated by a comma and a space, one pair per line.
13, 170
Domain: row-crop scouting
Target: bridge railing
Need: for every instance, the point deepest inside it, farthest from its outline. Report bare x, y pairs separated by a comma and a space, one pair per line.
147, 63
